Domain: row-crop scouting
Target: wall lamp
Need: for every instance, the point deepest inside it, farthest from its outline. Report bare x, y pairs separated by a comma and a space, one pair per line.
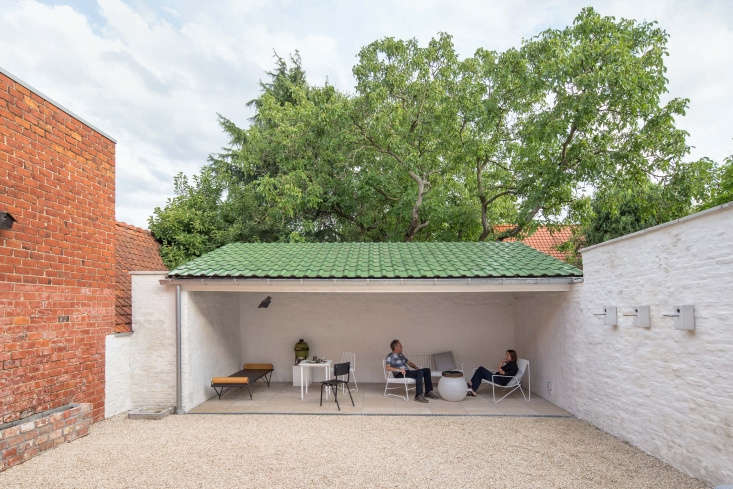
642, 317
684, 317
610, 315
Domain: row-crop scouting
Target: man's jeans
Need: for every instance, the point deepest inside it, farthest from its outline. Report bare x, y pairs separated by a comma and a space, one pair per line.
422, 375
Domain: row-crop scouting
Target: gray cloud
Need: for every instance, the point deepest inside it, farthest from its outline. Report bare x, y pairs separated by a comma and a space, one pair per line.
154, 77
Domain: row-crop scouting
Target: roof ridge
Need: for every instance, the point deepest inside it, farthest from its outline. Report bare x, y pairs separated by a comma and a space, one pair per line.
132, 227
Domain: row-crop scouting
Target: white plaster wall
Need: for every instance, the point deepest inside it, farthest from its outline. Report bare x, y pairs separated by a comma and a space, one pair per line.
477, 327
666, 391
117, 374
211, 343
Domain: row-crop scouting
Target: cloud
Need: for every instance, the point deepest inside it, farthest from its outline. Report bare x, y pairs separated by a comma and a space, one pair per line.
154, 77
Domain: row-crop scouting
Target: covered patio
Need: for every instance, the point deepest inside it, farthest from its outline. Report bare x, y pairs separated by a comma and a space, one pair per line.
587, 350
252, 302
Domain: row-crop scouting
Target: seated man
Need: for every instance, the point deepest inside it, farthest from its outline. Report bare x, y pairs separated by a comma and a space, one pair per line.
397, 363
508, 367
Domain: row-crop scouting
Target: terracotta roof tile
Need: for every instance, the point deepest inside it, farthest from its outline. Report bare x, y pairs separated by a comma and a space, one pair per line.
135, 249
545, 239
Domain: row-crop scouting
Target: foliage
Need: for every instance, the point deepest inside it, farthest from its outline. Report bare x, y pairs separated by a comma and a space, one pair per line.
435, 147
722, 190
627, 205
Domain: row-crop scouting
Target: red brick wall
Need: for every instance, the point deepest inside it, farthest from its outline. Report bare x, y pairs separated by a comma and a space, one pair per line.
57, 178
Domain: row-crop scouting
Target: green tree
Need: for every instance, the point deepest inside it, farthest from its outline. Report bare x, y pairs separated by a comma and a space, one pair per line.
435, 147
630, 203
599, 115
722, 189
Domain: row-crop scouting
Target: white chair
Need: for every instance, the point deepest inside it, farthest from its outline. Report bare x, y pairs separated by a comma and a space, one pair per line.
398, 382
514, 382
350, 357
440, 362
424, 360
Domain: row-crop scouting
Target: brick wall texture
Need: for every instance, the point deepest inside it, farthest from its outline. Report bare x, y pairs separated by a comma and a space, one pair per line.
27, 439
57, 178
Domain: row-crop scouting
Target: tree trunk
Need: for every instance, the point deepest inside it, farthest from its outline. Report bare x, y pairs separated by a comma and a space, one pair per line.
415, 224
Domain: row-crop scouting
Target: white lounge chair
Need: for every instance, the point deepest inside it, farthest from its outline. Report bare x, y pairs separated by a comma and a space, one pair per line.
440, 362
514, 382
396, 383
436, 362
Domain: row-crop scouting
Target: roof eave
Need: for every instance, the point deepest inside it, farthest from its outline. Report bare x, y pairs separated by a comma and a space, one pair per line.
375, 285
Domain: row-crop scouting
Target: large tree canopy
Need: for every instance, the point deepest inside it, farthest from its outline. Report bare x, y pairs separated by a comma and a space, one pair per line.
432, 146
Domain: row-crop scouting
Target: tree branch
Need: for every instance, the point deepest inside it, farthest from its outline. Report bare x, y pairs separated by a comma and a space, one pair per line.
566, 143
415, 224
510, 233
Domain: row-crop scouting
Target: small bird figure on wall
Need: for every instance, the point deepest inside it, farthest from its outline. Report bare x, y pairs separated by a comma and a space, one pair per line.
265, 303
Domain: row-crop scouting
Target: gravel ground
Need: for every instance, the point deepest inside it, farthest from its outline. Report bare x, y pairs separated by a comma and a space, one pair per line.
345, 451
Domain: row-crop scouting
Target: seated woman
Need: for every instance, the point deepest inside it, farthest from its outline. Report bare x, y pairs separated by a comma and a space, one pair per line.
508, 367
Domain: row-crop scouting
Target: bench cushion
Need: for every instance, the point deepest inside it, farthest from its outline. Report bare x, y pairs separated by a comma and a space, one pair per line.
230, 380
258, 366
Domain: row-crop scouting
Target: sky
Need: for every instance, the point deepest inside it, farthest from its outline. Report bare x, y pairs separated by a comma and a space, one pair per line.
154, 75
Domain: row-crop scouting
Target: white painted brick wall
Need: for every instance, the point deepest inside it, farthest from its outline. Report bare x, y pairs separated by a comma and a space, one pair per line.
153, 346
211, 344
478, 328
140, 367
117, 397
666, 391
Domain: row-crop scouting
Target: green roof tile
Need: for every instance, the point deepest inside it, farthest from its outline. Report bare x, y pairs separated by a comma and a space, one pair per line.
375, 260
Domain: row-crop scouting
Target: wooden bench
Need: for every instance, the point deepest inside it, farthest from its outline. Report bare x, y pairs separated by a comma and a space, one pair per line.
250, 372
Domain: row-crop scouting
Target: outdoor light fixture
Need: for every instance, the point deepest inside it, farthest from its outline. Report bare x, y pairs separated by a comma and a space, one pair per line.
610, 315
6, 220
642, 318
265, 303
684, 317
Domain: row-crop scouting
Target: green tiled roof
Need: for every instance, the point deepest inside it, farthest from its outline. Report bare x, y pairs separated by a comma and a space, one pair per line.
375, 260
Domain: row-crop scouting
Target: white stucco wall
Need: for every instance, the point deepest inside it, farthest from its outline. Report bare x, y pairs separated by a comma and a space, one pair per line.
476, 327
666, 391
117, 398
211, 342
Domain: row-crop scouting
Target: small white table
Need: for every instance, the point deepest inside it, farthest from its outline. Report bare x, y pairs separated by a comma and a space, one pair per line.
308, 364
452, 386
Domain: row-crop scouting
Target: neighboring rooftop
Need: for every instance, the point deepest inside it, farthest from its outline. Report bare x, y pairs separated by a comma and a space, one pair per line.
135, 249
376, 260
544, 239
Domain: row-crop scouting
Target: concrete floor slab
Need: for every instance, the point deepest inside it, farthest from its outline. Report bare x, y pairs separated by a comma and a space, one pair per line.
282, 397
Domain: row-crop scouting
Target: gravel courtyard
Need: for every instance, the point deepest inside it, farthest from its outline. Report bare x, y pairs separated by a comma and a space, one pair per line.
270, 451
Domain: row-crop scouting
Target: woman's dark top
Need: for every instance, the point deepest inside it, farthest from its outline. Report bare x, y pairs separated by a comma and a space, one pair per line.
510, 369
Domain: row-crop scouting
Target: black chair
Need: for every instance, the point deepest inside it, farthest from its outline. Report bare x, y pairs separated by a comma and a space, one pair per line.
339, 370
